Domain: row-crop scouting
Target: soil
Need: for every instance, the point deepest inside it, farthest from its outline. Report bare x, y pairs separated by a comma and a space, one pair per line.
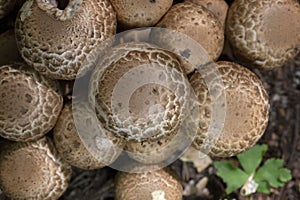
282, 137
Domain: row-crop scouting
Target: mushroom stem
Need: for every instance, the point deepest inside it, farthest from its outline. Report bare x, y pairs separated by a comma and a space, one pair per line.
61, 10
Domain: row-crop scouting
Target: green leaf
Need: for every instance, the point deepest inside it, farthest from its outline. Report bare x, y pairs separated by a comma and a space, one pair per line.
273, 173
231, 175
251, 159
263, 187
285, 175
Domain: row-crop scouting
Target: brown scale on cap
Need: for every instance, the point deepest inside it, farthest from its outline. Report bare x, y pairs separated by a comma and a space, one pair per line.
29, 103
148, 111
32, 170
264, 33
59, 48
150, 185
69, 144
217, 7
153, 152
247, 110
198, 23
140, 13
6, 6
8, 48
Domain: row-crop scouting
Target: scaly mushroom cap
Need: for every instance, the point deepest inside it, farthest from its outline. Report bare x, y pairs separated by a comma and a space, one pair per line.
140, 92
8, 48
153, 152
71, 147
140, 13
264, 33
154, 185
57, 48
247, 110
198, 23
6, 6
60, 9
217, 7
32, 170
29, 103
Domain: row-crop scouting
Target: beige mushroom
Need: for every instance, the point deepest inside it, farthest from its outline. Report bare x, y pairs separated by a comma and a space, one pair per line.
157, 151
8, 48
140, 13
139, 92
29, 103
198, 23
32, 170
150, 185
247, 110
6, 6
55, 38
264, 33
75, 149
217, 7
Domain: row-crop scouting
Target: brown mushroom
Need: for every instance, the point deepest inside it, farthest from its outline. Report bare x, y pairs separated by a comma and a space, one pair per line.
74, 148
56, 38
217, 7
149, 185
129, 94
140, 13
264, 34
29, 103
247, 110
32, 170
196, 22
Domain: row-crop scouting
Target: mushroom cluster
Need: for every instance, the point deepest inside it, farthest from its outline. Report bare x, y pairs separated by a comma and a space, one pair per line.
138, 97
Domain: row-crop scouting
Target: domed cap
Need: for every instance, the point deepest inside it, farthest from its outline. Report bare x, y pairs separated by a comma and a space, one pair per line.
247, 110
58, 48
140, 13
152, 185
32, 170
29, 103
217, 7
71, 146
198, 23
140, 92
264, 33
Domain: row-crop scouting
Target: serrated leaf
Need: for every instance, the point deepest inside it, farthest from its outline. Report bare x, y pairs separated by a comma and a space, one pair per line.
251, 158
231, 175
273, 173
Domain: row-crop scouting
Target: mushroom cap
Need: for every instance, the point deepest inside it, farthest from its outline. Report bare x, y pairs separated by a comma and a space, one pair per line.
140, 13
247, 110
198, 23
30, 103
6, 6
153, 152
8, 48
57, 48
217, 7
139, 92
33, 170
150, 185
264, 33
69, 144
60, 9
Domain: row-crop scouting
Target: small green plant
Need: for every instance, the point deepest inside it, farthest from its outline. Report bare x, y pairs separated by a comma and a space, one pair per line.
253, 178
